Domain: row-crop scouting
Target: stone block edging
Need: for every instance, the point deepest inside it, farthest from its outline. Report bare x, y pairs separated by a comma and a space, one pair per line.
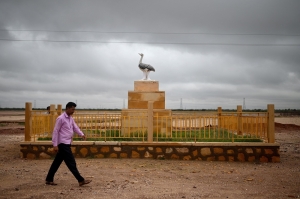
205, 151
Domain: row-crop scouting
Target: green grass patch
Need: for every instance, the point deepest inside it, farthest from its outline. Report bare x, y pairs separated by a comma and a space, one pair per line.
205, 136
44, 138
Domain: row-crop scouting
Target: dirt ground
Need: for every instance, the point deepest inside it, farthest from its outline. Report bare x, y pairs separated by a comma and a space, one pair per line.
155, 179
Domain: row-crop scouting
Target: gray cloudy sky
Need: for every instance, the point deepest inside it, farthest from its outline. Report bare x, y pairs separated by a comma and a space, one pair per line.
208, 53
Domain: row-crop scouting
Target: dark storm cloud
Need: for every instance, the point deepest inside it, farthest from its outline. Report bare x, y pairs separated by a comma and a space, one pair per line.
207, 52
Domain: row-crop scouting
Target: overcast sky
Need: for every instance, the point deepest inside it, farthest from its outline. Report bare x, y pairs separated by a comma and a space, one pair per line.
209, 54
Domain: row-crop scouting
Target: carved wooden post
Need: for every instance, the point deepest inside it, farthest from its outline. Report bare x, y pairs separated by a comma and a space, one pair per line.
150, 121
271, 124
240, 121
28, 109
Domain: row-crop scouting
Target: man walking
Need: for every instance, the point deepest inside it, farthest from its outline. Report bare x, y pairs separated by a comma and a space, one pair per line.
61, 140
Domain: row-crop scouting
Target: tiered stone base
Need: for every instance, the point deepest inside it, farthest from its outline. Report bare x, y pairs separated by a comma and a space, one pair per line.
145, 91
250, 152
134, 119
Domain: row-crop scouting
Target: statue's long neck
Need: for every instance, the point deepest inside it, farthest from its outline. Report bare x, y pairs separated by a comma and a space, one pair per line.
141, 59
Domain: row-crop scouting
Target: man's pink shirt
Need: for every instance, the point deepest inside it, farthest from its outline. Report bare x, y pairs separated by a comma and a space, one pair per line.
64, 129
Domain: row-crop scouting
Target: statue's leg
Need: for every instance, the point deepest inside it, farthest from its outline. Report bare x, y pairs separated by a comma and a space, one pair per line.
148, 78
146, 73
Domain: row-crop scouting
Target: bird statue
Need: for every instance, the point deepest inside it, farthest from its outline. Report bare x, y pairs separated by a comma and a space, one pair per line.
146, 68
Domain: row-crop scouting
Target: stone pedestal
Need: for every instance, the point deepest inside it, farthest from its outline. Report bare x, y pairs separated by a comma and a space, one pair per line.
135, 118
146, 85
145, 91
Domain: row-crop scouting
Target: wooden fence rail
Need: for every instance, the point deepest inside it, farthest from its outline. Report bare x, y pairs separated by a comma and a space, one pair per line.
196, 127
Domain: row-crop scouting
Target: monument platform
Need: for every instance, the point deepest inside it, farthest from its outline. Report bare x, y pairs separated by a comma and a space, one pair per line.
134, 120
136, 117
146, 85
145, 91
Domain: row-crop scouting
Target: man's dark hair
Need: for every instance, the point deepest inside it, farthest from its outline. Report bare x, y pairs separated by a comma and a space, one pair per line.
70, 105
48, 107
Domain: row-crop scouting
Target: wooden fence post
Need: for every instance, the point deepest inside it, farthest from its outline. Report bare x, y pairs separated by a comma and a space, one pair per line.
52, 117
59, 109
28, 109
150, 121
240, 120
271, 123
219, 117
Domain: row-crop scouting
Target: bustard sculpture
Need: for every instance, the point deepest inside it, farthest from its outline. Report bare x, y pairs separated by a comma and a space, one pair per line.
146, 68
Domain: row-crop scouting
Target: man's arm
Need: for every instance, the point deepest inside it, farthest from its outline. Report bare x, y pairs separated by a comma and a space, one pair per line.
77, 130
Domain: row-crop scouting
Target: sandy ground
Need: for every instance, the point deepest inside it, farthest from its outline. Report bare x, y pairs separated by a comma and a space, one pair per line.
144, 178
288, 120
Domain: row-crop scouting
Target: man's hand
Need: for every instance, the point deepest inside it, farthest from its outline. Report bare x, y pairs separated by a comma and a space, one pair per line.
83, 137
55, 149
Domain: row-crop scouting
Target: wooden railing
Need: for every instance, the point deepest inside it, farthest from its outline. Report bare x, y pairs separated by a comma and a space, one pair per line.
194, 127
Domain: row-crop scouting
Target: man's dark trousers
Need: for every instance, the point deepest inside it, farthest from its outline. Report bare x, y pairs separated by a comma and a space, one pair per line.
64, 154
